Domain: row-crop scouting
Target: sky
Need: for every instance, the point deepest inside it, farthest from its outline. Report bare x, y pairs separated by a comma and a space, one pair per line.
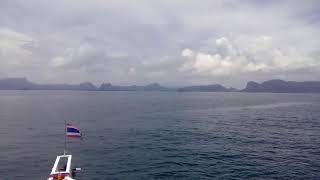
171, 42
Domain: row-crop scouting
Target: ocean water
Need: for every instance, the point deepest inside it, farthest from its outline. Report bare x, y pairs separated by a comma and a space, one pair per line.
162, 135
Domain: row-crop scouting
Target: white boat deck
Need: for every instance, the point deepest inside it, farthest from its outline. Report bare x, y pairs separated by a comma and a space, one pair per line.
61, 169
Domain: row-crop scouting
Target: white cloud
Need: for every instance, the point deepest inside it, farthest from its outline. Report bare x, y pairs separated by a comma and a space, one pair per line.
132, 71
82, 54
12, 43
58, 61
254, 55
187, 53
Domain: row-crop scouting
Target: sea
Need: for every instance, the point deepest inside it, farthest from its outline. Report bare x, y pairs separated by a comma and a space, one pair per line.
161, 135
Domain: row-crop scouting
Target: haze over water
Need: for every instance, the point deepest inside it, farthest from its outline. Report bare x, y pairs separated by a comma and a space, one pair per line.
162, 135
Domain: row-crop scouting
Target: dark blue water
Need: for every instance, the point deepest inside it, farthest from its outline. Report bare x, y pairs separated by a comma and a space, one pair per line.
154, 135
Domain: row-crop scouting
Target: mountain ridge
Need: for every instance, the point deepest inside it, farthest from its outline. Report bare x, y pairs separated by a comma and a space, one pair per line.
281, 86
270, 86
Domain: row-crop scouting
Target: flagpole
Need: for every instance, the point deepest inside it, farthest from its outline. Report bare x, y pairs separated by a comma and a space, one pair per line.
65, 138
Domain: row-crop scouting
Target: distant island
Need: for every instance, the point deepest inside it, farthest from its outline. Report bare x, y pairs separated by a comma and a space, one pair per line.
271, 86
280, 86
207, 88
150, 87
25, 84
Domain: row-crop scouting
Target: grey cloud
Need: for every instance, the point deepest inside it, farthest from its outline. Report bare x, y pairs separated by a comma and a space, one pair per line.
138, 42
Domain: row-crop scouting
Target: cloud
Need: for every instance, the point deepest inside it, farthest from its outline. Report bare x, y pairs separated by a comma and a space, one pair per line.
84, 54
187, 53
132, 71
171, 42
58, 61
252, 55
12, 46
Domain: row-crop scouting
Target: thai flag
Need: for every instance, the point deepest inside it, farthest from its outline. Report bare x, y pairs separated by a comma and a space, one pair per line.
72, 131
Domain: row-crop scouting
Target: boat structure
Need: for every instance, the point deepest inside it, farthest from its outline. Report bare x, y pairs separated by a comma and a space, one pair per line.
62, 168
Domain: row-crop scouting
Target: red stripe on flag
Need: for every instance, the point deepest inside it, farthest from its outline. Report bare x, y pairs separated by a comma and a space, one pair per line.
74, 136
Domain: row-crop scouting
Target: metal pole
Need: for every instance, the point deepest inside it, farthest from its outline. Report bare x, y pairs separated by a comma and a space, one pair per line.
65, 138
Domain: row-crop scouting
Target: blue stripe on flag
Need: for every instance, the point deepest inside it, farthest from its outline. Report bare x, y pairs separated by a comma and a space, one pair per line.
72, 130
